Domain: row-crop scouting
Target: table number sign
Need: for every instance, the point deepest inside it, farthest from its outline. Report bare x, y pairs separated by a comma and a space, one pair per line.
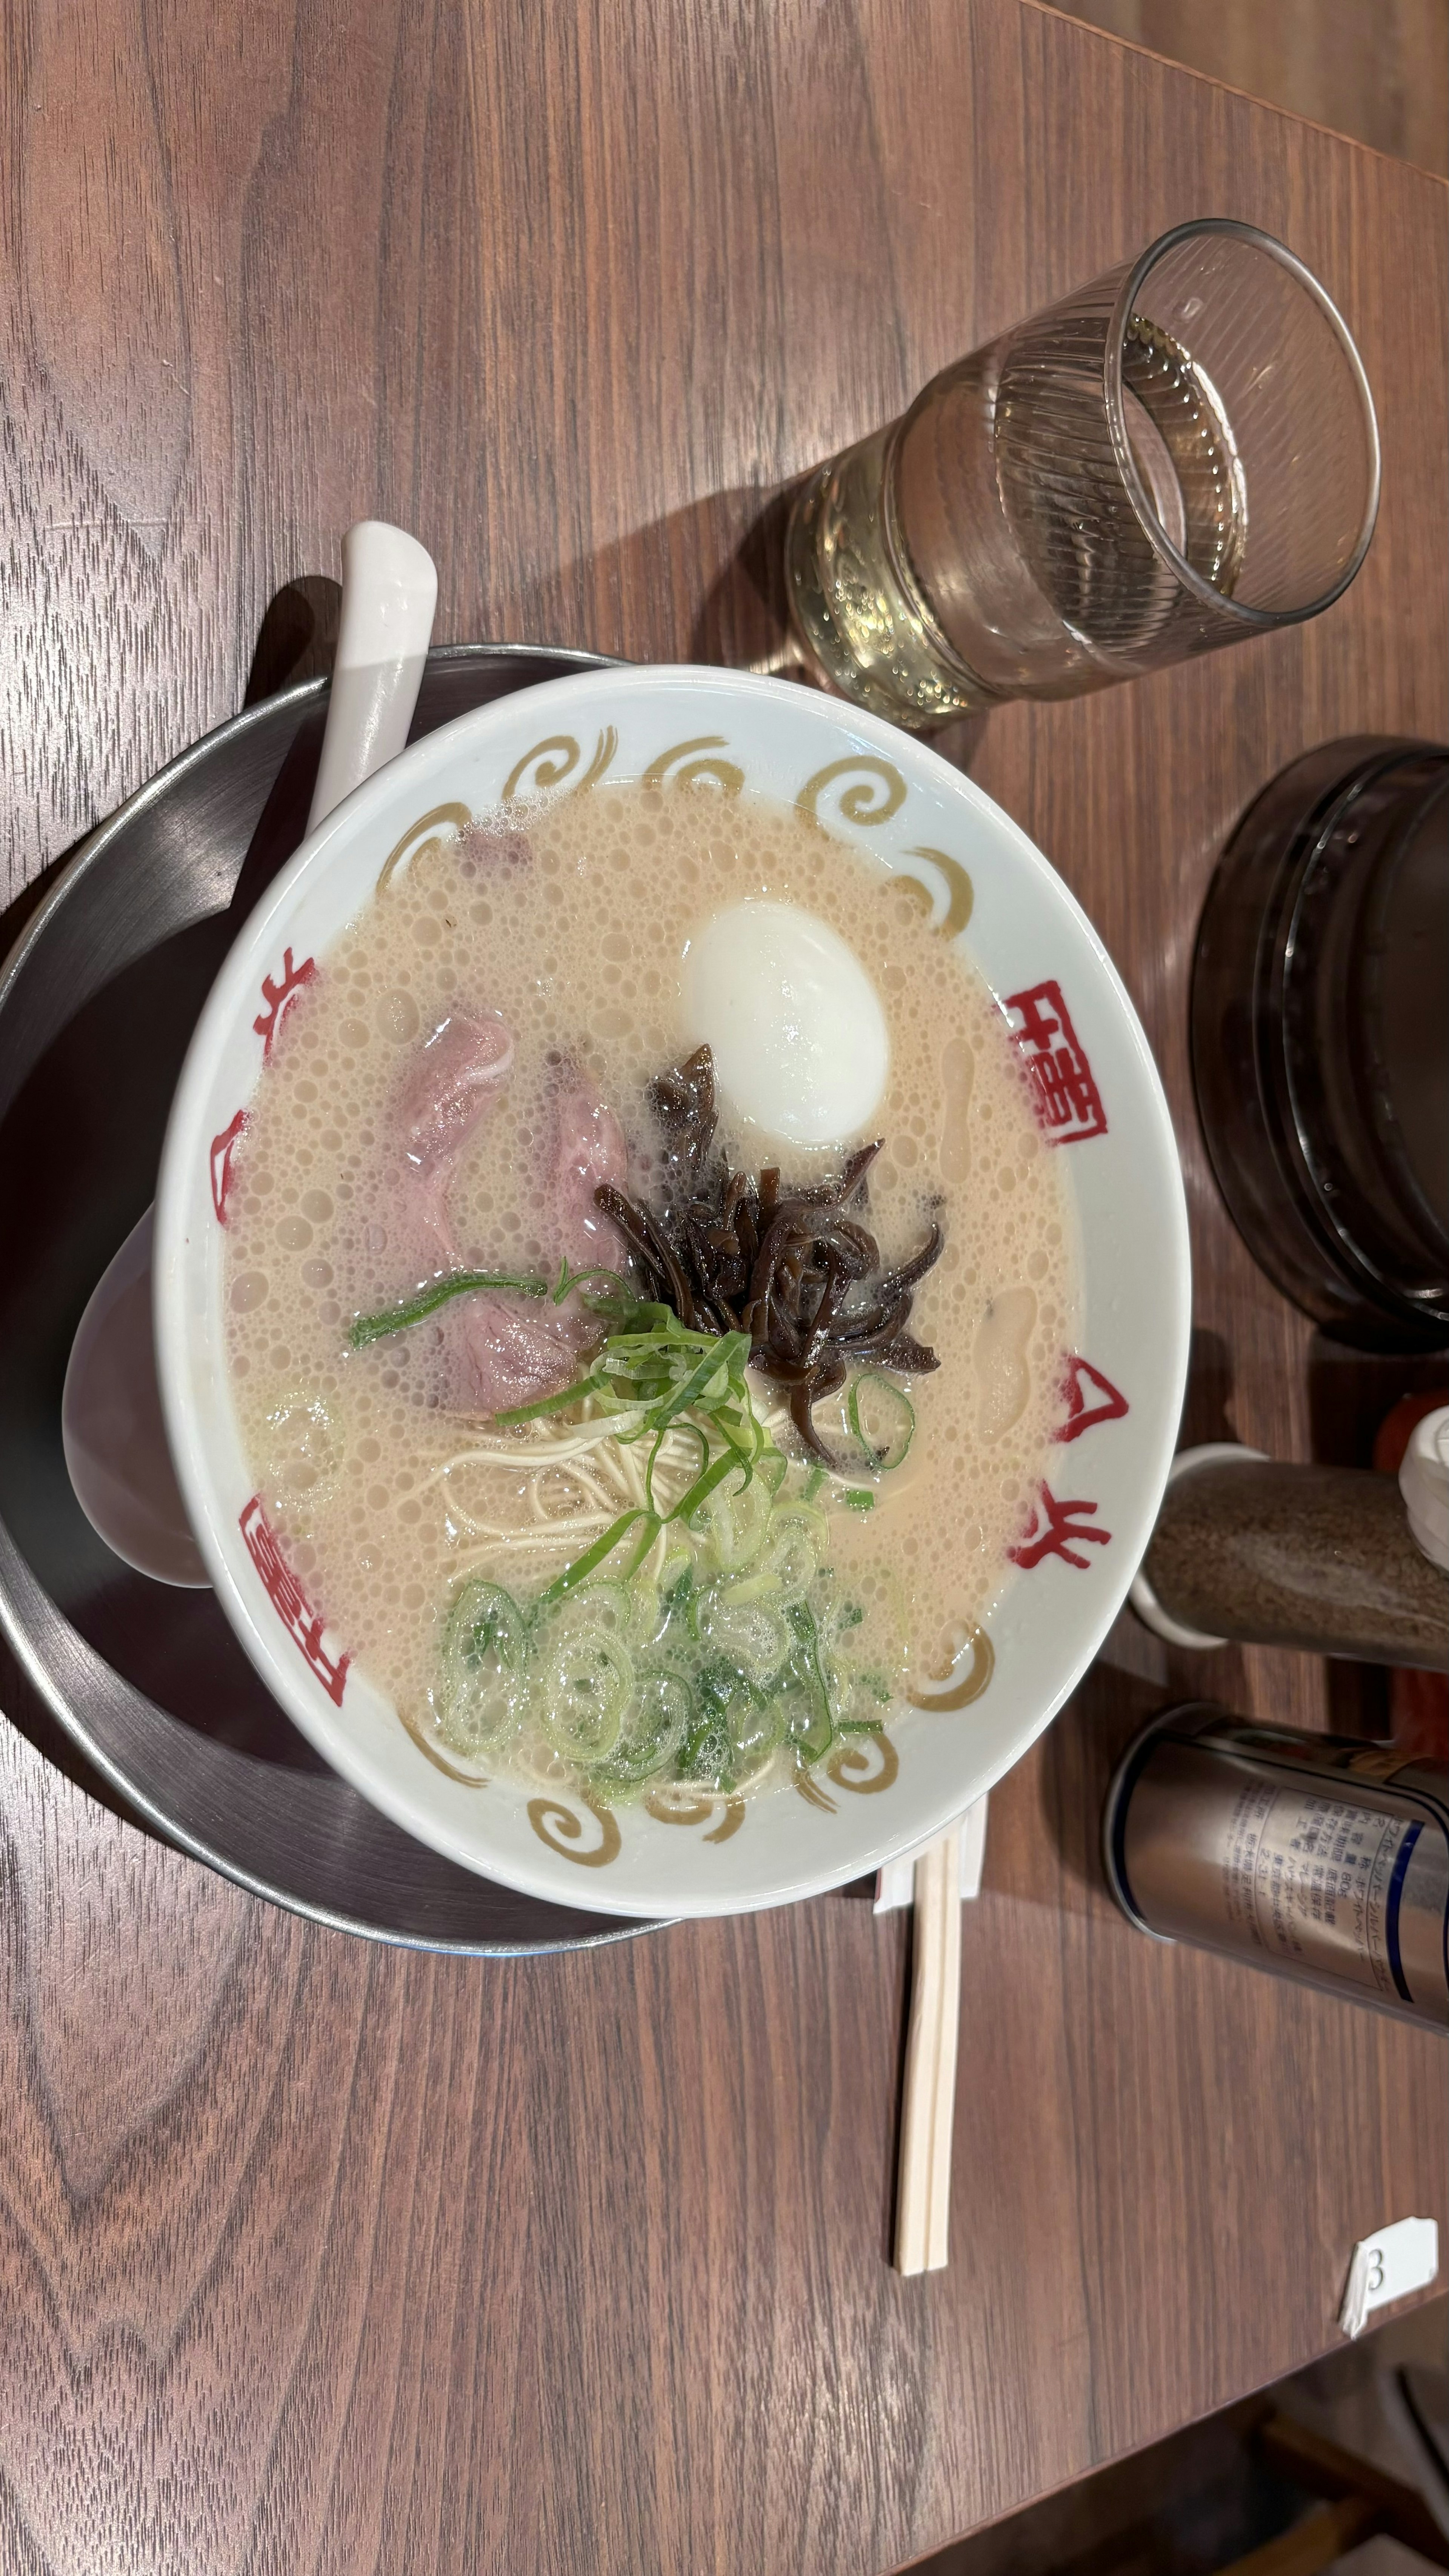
1388, 2266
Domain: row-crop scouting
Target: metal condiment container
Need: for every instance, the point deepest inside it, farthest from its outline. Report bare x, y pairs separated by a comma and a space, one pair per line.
1315, 1856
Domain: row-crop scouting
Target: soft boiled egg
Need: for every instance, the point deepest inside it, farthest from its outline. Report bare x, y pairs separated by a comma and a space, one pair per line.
792, 1020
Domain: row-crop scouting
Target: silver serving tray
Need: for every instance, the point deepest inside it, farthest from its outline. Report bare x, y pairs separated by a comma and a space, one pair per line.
97, 1002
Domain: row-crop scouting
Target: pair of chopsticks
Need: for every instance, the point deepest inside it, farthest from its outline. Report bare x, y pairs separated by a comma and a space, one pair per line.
923, 2188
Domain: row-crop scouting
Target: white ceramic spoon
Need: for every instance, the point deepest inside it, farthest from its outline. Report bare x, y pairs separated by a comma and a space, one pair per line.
110, 1413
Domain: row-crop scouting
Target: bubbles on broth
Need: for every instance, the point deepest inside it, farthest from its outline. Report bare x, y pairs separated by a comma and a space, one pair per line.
574, 932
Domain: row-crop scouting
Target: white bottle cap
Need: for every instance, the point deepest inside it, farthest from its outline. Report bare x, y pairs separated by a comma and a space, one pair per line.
1424, 1484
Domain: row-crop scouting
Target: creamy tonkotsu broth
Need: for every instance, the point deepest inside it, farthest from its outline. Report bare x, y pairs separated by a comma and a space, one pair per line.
469, 1064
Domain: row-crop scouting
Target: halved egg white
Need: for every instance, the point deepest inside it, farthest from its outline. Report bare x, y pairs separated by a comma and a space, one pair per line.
792, 1020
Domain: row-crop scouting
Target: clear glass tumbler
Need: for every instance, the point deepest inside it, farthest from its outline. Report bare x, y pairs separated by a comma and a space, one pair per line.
1183, 453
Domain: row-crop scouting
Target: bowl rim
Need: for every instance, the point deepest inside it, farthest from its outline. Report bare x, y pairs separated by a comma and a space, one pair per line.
234, 986
132, 884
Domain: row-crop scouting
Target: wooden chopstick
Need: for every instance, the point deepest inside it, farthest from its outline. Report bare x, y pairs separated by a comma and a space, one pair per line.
923, 2191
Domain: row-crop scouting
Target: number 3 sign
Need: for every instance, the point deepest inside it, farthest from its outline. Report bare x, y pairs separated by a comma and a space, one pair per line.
1388, 2266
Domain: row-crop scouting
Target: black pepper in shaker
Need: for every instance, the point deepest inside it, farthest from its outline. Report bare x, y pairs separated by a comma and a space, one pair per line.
1322, 1558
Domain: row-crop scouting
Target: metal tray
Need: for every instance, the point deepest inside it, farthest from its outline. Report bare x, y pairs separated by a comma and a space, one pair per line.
97, 1003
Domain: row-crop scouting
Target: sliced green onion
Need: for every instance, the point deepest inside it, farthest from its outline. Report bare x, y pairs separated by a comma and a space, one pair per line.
607, 1605
460, 1283
753, 1635
676, 1583
726, 1351
808, 1721
584, 1685
604, 1545
558, 1403
659, 1439
651, 1731
735, 1525
649, 1531
483, 1650
648, 1612
697, 1682
569, 1279
734, 1734
882, 1418
857, 1698
756, 1587
794, 1544
654, 1381
703, 1486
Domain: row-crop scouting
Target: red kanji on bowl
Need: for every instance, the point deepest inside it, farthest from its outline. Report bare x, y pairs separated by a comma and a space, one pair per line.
1058, 1528
290, 1601
1068, 1103
278, 996
222, 1149
1079, 1380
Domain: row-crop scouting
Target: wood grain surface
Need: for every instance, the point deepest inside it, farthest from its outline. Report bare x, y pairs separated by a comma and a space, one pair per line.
1376, 69
319, 2257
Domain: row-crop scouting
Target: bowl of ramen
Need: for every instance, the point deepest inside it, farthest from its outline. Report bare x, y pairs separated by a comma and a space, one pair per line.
671, 1291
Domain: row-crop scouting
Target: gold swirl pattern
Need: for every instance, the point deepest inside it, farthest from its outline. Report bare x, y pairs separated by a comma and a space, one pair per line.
865, 1767
917, 895
554, 760
412, 847
972, 1683
465, 1779
604, 750
960, 892
557, 1826
810, 1790
879, 790
679, 1807
689, 773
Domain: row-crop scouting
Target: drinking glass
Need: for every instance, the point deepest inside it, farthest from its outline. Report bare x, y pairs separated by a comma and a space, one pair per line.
1182, 453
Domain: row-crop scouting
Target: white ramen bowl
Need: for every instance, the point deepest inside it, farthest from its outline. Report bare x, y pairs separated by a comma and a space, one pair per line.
903, 810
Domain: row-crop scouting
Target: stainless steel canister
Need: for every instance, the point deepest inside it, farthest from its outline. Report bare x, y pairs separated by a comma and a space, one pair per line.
1316, 1856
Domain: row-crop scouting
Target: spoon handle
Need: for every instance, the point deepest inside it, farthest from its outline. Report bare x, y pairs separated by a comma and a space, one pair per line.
389, 593
112, 1430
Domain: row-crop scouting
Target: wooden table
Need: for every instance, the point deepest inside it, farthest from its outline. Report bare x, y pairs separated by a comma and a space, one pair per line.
317, 2257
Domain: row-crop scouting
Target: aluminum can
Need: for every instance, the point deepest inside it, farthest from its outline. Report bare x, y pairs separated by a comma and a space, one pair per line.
1315, 1856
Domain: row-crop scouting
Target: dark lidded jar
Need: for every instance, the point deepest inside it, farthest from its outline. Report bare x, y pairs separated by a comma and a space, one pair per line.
1320, 1037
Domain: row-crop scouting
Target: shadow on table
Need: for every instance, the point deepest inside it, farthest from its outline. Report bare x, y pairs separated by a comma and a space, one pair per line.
297, 638
728, 552
1080, 1753
1207, 1404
